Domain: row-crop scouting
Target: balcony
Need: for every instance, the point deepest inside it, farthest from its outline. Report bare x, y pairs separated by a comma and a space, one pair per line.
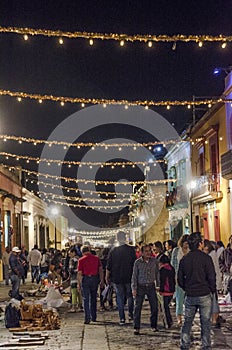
177, 198
207, 188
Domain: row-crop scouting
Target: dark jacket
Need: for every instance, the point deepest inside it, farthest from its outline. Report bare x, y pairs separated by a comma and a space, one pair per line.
196, 274
120, 264
225, 260
167, 279
16, 266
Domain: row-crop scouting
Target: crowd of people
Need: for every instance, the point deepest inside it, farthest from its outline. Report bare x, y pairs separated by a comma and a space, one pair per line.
190, 274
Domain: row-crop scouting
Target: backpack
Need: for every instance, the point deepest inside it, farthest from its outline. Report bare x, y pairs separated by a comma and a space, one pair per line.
12, 316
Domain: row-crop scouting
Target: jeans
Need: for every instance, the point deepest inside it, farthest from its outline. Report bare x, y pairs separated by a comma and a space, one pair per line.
35, 273
89, 293
15, 281
192, 304
167, 299
150, 291
123, 294
6, 273
180, 294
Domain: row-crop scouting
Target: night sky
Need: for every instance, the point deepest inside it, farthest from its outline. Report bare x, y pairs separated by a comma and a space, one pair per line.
106, 70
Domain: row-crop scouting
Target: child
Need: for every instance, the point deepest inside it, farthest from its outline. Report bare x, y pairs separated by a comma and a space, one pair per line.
167, 285
76, 295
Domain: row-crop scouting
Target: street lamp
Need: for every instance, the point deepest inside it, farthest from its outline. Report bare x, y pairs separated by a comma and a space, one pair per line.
55, 212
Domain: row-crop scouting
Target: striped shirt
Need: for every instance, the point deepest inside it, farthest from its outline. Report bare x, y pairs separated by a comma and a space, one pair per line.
145, 272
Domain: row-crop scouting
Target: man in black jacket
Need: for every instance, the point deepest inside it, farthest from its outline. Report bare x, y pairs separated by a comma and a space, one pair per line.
196, 276
17, 271
119, 271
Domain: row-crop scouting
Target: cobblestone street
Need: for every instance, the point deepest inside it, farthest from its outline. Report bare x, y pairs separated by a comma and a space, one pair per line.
106, 334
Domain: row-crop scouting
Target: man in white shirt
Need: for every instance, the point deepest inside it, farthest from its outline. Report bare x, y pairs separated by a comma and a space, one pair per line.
34, 259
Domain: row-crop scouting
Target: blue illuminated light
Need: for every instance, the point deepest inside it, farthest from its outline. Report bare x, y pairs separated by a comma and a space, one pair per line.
216, 71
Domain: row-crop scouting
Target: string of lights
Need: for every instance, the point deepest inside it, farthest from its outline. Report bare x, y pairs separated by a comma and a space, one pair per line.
87, 181
79, 163
81, 199
121, 38
21, 139
86, 206
147, 103
76, 190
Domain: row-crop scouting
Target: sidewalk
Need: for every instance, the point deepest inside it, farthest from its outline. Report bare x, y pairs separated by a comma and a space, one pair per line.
106, 334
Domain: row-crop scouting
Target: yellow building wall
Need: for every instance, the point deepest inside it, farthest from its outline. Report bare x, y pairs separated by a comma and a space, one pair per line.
219, 117
157, 231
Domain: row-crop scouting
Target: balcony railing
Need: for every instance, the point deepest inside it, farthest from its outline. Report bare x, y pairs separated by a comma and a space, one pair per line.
206, 184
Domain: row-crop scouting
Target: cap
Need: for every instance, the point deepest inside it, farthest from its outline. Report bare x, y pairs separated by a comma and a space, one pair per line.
16, 249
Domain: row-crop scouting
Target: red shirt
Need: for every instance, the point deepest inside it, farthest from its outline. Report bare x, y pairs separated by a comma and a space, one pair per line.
89, 265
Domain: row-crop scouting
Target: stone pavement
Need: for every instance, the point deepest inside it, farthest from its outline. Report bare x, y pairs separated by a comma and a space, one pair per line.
106, 334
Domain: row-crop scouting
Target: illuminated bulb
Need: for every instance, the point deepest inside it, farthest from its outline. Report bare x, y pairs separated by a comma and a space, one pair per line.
135, 148
4, 140
102, 166
104, 105
192, 142
19, 99
91, 166
149, 44
35, 144
146, 107
189, 106
168, 107
62, 103
120, 148
65, 147
20, 141
25, 37
133, 166
206, 142
122, 43
17, 158
91, 42
209, 105
150, 147
126, 107
93, 148
123, 166
224, 45
82, 105
49, 164
50, 145
220, 138
112, 167
106, 147
174, 46
40, 101
200, 44
7, 157
61, 41
78, 146
28, 161
69, 166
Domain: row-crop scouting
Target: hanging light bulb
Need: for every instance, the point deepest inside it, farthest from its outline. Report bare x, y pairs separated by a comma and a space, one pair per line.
25, 37
122, 42
224, 45
19, 99
62, 103
61, 41
149, 44
91, 42
200, 44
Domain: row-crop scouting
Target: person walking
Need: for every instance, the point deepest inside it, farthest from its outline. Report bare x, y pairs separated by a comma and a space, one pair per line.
119, 271
225, 264
34, 259
145, 280
16, 273
75, 293
90, 273
197, 277
177, 254
5, 261
167, 286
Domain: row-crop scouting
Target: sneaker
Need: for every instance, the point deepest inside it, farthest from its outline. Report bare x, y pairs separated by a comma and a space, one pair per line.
73, 309
121, 322
155, 329
136, 331
87, 322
